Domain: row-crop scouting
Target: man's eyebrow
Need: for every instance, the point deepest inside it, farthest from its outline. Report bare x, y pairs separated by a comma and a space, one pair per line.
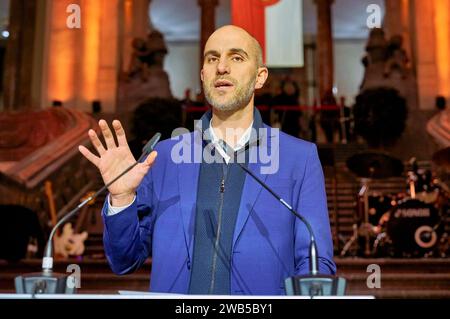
211, 52
232, 51
239, 51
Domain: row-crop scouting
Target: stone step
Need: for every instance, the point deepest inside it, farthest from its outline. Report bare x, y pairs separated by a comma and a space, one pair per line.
96, 250
401, 293
394, 265
343, 198
412, 281
88, 265
94, 240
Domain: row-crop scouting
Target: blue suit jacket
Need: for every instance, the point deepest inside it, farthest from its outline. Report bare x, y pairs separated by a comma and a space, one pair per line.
269, 243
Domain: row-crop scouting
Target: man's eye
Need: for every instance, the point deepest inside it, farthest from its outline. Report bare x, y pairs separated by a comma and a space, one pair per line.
211, 59
237, 59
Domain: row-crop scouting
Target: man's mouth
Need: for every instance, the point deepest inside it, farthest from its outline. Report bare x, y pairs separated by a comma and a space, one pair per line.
223, 84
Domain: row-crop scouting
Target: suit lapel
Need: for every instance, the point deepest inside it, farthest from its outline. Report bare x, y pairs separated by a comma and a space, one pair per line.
249, 195
188, 182
252, 188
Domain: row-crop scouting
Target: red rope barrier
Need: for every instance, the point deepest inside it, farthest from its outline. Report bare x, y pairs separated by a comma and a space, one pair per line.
292, 108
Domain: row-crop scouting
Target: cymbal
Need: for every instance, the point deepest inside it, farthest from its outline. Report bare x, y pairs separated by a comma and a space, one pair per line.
442, 158
375, 165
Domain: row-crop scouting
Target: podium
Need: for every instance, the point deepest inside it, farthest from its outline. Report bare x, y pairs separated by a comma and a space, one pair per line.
149, 296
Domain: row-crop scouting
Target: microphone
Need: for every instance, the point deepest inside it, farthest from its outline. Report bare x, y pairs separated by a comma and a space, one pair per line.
314, 284
47, 281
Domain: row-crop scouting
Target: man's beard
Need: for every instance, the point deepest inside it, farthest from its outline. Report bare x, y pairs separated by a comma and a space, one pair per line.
241, 96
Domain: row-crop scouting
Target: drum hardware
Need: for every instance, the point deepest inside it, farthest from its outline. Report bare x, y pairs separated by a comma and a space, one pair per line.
382, 239
351, 241
409, 224
412, 179
365, 193
373, 214
375, 165
368, 166
363, 228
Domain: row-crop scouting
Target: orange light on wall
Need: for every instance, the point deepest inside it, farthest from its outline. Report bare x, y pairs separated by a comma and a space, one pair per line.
406, 31
61, 85
127, 31
91, 10
61, 60
442, 25
128, 14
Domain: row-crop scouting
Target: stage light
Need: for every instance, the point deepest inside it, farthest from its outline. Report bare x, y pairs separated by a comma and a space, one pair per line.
335, 90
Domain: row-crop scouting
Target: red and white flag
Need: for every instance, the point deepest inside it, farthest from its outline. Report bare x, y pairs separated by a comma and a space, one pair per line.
277, 25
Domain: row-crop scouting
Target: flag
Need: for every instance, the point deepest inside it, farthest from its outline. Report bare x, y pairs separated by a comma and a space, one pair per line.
277, 25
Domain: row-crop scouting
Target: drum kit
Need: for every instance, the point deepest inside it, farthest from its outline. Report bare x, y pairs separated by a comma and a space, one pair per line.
406, 224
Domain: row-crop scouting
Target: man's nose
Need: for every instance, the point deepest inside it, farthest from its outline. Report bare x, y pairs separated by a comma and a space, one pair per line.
223, 67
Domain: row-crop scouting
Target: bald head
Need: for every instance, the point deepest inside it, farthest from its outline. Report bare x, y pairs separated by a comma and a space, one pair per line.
234, 31
232, 69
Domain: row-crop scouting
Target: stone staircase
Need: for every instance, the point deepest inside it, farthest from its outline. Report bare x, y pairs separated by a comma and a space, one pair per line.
342, 190
399, 278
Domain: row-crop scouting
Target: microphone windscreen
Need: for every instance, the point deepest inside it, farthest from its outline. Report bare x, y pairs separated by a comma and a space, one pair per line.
148, 148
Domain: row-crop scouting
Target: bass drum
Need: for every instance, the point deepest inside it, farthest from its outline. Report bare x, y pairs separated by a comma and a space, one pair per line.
413, 228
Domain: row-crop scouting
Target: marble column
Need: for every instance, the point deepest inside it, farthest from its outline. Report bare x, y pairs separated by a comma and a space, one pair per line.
425, 53
141, 21
442, 25
325, 47
135, 20
63, 59
19, 60
208, 22
83, 63
109, 52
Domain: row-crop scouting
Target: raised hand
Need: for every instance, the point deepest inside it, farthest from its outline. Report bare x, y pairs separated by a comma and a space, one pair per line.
114, 159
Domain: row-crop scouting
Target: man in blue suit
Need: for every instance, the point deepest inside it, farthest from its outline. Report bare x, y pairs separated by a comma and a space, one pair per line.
209, 227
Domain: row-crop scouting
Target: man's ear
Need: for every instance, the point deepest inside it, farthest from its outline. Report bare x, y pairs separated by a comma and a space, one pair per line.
201, 74
261, 77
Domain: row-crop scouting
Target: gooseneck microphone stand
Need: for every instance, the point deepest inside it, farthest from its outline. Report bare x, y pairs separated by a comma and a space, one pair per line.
49, 282
313, 284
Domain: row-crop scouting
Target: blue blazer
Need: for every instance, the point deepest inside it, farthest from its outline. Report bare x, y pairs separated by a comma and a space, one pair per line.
269, 243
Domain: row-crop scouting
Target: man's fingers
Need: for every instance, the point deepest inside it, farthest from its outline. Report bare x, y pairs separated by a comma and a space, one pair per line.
120, 133
107, 134
91, 157
96, 142
151, 158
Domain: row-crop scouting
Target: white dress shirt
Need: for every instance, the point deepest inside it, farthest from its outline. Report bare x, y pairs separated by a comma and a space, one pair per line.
112, 210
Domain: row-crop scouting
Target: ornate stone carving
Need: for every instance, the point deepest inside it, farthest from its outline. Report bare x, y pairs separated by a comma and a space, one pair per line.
387, 65
146, 77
